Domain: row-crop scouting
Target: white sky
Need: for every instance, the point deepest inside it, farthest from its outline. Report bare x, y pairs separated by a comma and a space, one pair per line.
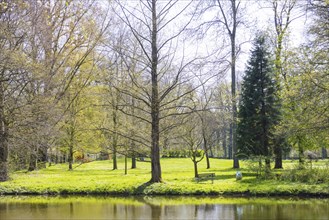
262, 19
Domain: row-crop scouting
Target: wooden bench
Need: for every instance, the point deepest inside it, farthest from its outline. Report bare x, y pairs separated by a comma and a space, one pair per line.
205, 176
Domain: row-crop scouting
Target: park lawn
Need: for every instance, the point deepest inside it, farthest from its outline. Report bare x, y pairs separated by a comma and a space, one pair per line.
98, 178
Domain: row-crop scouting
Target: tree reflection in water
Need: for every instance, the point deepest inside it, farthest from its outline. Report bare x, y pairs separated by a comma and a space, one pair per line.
160, 208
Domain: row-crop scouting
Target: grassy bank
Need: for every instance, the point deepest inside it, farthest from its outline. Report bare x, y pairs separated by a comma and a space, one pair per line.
98, 178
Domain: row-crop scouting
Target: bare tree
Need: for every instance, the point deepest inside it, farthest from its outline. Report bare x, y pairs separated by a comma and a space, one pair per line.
116, 101
230, 18
162, 67
207, 120
193, 137
223, 112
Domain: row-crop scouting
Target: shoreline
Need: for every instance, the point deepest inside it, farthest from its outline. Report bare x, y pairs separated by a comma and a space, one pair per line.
234, 194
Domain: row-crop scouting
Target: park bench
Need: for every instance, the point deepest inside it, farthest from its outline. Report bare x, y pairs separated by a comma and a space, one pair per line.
205, 176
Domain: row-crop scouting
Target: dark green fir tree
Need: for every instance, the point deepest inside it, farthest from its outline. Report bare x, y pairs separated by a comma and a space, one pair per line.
259, 105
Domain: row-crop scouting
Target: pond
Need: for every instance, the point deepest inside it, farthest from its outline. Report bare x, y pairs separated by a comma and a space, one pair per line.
89, 207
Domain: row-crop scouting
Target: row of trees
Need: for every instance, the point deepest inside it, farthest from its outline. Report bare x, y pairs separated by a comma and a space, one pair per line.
284, 103
140, 80
48, 51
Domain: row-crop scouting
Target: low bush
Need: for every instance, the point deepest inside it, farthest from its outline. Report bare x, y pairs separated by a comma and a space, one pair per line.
176, 154
306, 175
256, 165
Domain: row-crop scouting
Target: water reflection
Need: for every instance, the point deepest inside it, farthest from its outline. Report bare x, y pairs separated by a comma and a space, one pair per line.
159, 208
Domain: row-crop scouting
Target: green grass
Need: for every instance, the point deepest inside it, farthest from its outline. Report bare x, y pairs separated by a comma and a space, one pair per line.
98, 178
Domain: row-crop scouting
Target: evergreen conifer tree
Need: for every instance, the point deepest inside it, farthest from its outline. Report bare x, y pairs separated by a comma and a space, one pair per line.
259, 105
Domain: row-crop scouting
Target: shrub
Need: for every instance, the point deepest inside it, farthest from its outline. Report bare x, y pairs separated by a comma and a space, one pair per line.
306, 175
256, 165
176, 154
78, 156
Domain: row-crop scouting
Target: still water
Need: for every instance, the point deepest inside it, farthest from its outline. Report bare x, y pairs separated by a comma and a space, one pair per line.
161, 208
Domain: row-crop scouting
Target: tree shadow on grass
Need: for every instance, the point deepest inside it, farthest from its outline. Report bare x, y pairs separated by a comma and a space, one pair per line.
230, 176
225, 177
233, 169
140, 189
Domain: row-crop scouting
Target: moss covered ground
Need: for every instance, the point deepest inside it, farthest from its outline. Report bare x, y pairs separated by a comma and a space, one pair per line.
98, 178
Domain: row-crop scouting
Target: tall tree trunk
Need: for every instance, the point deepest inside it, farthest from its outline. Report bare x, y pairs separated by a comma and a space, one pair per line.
56, 157
230, 140
50, 157
324, 153
208, 161
267, 165
3, 138
133, 162
126, 165
231, 26
115, 109
278, 153
278, 157
33, 161
3, 156
205, 147
70, 157
133, 144
234, 108
301, 156
42, 157
196, 174
224, 146
114, 157
115, 135
155, 132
